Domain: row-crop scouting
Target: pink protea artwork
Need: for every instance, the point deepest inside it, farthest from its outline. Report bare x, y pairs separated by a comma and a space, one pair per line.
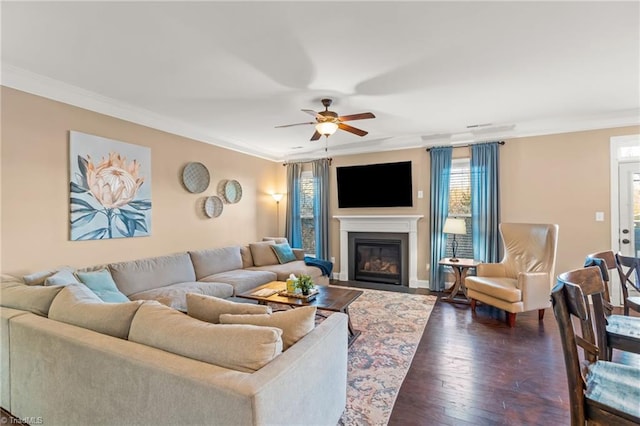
110, 197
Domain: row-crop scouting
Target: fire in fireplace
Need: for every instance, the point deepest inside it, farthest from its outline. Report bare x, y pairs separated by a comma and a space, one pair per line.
379, 257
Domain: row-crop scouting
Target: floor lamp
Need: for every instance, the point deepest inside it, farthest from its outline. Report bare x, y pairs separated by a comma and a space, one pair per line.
455, 227
277, 197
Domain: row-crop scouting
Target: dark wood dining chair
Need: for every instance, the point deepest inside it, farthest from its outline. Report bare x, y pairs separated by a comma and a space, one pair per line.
614, 331
600, 392
628, 268
609, 267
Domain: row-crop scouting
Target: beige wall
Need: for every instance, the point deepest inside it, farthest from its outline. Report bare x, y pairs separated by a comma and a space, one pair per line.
35, 195
561, 179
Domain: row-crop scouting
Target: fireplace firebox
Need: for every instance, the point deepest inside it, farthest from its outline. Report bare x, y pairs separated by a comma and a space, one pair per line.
378, 257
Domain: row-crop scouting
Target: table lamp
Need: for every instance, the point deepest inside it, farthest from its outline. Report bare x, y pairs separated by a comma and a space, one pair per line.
455, 227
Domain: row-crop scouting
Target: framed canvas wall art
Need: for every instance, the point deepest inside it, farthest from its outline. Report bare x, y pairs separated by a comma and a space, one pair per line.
110, 188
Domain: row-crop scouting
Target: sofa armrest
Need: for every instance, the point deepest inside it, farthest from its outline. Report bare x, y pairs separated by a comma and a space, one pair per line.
536, 290
491, 270
317, 361
299, 253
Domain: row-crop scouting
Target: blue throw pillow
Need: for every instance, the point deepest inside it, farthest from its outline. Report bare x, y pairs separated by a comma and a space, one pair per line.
102, 284
283, 252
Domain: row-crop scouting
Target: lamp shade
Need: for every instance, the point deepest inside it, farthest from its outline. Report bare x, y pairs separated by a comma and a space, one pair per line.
326, 128
277, 197
454, 226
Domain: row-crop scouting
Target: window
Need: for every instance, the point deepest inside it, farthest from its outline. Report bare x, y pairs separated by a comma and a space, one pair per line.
306, 213
460, 205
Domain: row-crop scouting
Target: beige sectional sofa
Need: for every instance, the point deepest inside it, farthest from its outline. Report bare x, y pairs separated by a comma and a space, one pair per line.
68, 358
222, 272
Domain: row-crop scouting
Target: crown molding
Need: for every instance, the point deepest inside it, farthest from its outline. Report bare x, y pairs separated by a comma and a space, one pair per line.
36, 84
26, 81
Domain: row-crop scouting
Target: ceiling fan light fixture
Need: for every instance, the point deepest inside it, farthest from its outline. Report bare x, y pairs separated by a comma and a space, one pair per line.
326, 128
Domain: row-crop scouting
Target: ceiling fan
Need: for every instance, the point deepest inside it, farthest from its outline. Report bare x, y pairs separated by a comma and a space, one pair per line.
327, 122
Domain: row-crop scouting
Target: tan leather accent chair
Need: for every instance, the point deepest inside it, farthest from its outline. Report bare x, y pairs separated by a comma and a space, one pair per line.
522, 281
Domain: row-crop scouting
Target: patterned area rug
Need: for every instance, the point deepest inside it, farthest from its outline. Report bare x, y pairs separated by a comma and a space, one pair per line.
391, 326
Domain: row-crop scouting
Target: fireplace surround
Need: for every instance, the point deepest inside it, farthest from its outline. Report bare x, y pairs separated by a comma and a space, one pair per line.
394, 224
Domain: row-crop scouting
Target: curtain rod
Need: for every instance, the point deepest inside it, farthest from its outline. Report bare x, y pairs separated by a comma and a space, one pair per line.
305, 161
464, 146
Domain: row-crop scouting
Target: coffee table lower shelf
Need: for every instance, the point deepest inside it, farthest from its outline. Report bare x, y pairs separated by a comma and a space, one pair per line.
328, 299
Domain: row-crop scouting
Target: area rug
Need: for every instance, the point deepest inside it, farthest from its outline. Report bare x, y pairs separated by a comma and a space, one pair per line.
391, 325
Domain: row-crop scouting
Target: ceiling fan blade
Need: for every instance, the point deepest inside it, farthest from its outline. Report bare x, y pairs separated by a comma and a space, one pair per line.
315, 136
297, 124
312, 112
360, 116
351, 129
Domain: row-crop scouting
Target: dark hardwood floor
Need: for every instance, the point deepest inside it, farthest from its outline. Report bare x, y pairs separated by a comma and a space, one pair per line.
475, 370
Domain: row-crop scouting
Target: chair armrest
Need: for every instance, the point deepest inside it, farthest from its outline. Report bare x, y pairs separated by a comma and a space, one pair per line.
299, 253
490, 270
536, 290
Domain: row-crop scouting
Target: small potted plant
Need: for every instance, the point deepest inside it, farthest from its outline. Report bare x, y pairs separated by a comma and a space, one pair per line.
305, 284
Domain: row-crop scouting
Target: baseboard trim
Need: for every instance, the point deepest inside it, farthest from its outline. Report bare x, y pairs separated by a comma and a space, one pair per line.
419, 284
339, 276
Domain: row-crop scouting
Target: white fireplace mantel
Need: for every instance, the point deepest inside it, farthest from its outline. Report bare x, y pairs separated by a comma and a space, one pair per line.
407, 224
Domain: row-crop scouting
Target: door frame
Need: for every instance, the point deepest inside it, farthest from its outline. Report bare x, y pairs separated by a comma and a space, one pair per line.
617, 142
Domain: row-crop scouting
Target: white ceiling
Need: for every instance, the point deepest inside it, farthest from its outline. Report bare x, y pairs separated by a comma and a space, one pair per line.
227, 73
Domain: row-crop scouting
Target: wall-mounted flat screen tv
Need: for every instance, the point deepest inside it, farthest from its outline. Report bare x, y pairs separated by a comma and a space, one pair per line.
375, 185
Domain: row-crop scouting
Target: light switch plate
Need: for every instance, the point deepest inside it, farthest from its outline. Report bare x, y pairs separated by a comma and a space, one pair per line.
420, 194
599, 216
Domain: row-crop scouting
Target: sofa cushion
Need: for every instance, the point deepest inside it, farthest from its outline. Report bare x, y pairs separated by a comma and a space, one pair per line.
242, 279
213, 261
297, 267
209, 308
175, 295
39, 277
4, 278
283, 252
277, 240
239, 347
146, 274
102, 284
78, 305
36, 298
294, 323
247, 259
263, 254
62, 277
299, 253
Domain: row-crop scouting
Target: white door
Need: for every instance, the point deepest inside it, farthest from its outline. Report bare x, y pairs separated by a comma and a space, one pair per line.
629, 220
629, 208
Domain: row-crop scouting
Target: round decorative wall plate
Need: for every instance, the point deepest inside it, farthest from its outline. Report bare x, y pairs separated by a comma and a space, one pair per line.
195, 177
213, 206
232, 191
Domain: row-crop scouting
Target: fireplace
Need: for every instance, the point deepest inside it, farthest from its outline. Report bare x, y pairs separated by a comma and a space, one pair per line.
379, 257
383, 224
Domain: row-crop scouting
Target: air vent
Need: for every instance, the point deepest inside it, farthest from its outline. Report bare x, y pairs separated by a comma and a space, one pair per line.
476, 126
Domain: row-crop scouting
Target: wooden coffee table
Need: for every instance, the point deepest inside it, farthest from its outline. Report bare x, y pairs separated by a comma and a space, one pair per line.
328, 299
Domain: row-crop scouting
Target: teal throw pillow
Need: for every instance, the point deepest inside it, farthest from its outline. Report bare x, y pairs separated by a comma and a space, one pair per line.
102, 284
283, 252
